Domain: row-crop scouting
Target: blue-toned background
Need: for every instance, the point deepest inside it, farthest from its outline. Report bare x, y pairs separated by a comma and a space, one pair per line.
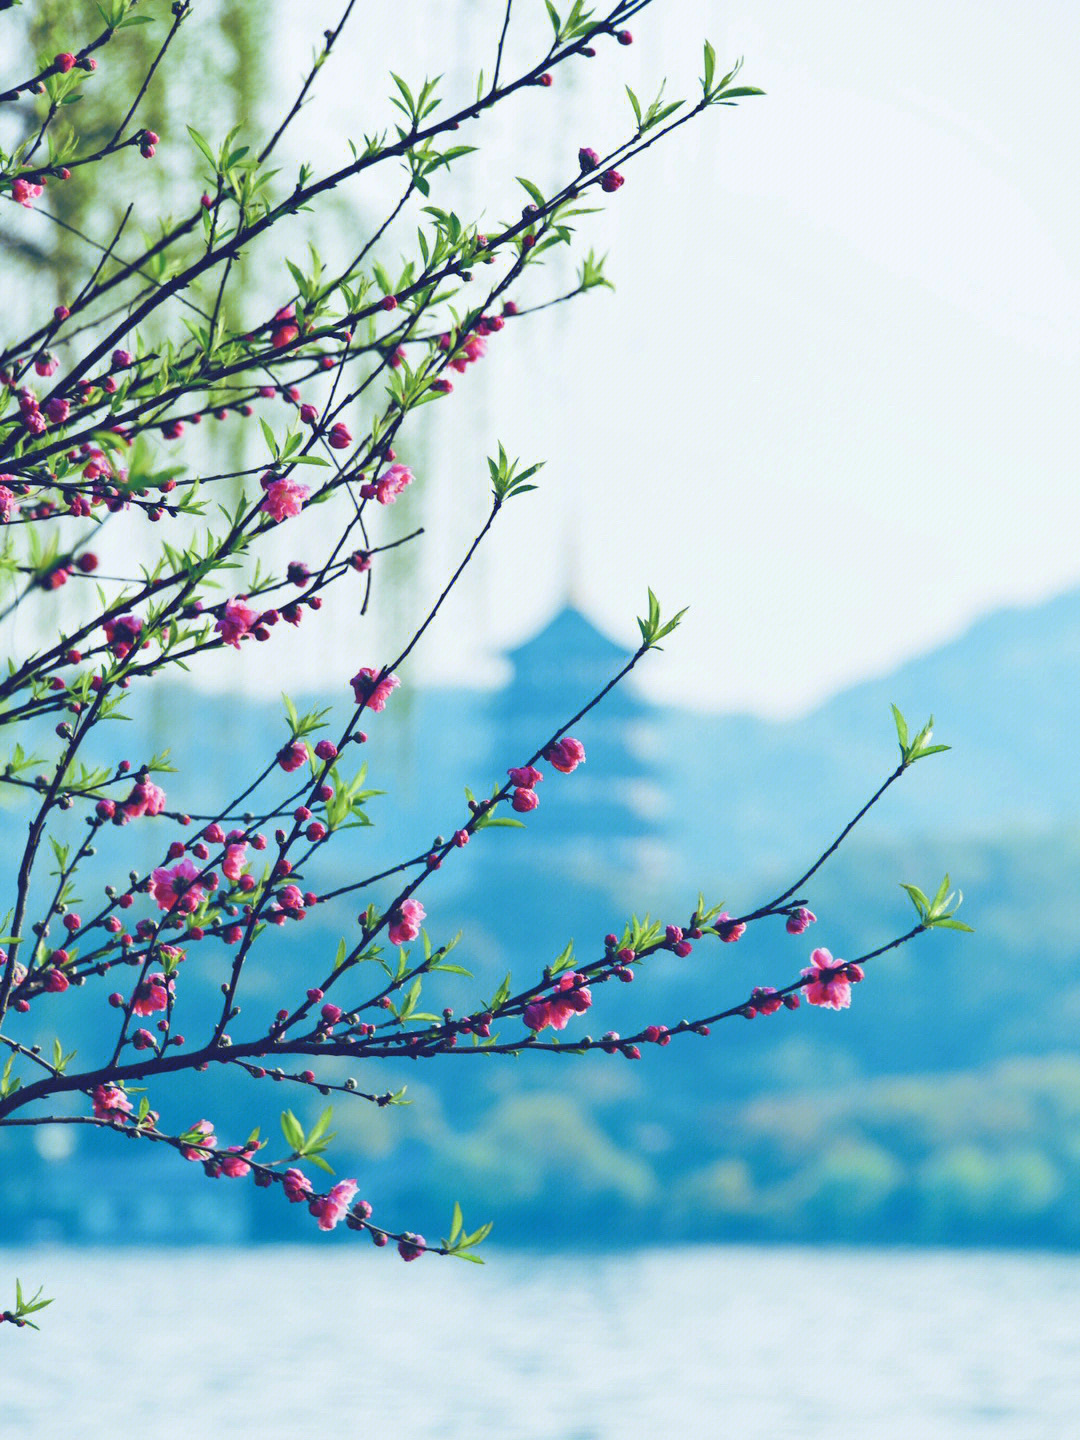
831, 407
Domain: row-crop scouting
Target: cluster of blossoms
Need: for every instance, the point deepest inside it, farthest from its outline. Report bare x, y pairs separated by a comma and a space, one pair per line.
570, 997
110, 1103
331, 1208
145, 799
474, 345
389, 486
564, 755
123, 634
236, 621
405, 922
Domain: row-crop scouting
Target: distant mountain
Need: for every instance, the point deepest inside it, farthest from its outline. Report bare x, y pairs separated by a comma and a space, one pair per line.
1005, 696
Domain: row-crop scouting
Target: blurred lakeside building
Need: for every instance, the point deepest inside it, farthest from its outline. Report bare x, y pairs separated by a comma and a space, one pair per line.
939, 1109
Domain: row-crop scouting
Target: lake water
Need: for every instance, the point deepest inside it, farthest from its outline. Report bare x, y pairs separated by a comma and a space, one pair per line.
697, 1341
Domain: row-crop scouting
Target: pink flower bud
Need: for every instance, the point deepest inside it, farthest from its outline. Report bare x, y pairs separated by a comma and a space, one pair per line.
799, 920
339, 437
610, 181
526, 776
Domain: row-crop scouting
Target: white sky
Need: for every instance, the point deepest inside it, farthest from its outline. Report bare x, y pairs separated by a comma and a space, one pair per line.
832, 406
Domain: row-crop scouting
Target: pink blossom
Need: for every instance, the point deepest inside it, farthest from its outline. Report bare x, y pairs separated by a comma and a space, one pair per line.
296, 1185
800, 920
284, 498
291, 898
525, 800
369, 693
536, 1015
110, 1103
571, 997
234, 1164
339, 437
205, 1129
179, 887
764, 1000
728, 929
389, 486
830, 985
329, 1209
24, 191
565, 754
236, 621
292, 756
565, 1004
152, 994
146, 799
405, 922
235, 857
122, 634
7, 499
526, 776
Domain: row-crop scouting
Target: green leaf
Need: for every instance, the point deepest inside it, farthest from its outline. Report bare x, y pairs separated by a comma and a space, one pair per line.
533, 191
942, 891
739, 93
901, 728
321, 1125
292, 1130
710, 67
203, 146
918, 899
